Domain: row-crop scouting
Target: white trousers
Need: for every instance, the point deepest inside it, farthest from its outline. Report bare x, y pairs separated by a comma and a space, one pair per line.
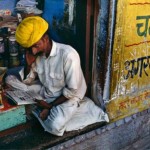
73, 114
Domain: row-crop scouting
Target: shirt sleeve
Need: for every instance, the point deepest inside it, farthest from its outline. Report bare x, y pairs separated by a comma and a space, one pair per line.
31, 76
75, 82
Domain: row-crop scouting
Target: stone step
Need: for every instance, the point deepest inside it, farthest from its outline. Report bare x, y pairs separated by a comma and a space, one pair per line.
141, 144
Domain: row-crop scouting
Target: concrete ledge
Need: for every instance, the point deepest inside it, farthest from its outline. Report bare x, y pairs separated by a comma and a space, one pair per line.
114, 136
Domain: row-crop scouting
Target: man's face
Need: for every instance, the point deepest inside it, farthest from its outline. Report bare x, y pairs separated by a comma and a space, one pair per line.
38, 48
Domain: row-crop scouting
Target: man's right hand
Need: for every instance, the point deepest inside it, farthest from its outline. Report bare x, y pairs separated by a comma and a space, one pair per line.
30, 58
43, 104
44, 114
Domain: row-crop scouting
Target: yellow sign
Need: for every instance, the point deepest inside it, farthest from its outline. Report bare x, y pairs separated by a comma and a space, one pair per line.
130, 59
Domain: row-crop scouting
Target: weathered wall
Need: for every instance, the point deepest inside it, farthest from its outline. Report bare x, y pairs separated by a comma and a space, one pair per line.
129, 89
99, 51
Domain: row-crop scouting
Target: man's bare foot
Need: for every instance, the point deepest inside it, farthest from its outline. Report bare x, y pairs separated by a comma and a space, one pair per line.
44, 114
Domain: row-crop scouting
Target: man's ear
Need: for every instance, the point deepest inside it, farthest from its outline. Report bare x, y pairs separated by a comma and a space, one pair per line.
46, 37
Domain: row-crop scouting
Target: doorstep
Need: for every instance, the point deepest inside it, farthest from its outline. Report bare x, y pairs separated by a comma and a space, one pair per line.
31, 135
116, 135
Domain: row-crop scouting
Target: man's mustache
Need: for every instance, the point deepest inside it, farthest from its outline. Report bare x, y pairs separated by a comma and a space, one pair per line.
38, 54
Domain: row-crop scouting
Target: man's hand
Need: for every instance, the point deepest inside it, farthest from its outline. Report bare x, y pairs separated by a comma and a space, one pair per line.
44, 114
46, 107
30, 58
43, 104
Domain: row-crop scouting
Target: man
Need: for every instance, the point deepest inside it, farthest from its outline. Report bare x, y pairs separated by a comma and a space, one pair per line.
64, 107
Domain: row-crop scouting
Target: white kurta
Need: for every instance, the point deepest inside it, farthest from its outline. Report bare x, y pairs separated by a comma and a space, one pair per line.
61, 74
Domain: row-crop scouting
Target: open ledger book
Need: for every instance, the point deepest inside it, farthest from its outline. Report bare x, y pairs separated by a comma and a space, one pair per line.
22, 97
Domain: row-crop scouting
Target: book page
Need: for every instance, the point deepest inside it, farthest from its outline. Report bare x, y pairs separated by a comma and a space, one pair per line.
23, 97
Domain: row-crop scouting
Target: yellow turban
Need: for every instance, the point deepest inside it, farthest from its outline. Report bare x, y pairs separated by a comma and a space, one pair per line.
30, 31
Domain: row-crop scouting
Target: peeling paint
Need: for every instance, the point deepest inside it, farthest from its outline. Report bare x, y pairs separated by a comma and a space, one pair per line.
71, 11
100, 40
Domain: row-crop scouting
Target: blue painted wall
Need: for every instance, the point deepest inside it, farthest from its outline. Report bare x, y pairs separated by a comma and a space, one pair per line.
53, 13
57, 13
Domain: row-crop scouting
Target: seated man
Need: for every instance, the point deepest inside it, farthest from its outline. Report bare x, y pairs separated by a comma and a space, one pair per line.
64, 107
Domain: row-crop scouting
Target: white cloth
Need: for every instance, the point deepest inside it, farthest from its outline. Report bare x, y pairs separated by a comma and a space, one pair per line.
72, 115
13, 81
61, 74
